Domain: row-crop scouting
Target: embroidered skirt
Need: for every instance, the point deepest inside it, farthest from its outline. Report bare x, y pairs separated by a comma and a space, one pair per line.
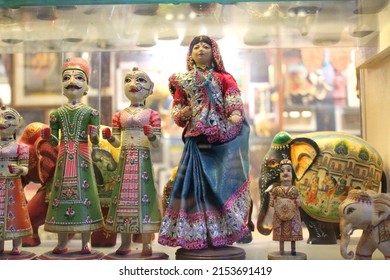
210, 197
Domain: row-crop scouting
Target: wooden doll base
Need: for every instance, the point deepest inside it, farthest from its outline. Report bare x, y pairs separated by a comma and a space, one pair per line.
72, 255
215, 253
286, 256
24, 255
136, 255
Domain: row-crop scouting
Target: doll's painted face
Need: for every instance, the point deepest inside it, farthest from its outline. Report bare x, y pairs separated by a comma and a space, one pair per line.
286, 173
202, 54
10, 121
138, 86
74, 83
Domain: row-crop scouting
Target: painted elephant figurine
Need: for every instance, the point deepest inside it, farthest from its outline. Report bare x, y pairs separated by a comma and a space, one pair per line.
42, 161
327, 165
369, 211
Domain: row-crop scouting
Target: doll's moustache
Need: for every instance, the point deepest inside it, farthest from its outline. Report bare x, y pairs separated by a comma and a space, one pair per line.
72, 86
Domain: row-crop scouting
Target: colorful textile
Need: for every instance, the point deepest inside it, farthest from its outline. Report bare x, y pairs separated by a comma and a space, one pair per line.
14, 218
134, 205
286, 230
210, 197
74, 203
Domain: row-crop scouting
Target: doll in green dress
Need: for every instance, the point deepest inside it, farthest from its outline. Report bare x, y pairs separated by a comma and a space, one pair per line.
134, 206
74, 203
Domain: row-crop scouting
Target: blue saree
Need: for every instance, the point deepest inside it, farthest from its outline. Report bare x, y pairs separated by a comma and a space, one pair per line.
210, 197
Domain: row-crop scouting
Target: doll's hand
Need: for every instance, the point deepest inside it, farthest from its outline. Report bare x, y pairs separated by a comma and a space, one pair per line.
15, 169
92, 131
106, 133
186, 113
45, 133
148, 130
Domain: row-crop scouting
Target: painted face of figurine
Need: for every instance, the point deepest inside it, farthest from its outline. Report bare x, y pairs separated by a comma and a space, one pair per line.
286, 173
138, 86
10, 122
74, 83
202, 54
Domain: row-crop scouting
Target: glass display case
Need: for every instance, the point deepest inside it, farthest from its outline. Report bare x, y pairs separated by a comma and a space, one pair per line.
294, 61
284, 55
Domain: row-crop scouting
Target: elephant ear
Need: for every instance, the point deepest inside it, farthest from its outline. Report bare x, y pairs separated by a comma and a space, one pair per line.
381, 206
303, 152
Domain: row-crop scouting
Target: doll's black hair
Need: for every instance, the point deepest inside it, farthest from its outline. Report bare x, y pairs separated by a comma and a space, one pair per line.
198, 39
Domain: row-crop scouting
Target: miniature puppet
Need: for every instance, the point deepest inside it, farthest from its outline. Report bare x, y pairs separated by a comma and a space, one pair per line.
210, 198
74, 203
285, 199
14, 218
134, 207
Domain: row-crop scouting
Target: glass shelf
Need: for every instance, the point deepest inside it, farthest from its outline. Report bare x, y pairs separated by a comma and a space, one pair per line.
66, 26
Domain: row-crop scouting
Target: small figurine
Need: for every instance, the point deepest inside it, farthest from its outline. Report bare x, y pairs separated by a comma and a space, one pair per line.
210, 198
134, 206
14, 218
369, 211
286, 201
74, 203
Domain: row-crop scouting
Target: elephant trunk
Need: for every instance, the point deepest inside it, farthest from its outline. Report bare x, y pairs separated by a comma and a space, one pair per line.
262, 219
346, 232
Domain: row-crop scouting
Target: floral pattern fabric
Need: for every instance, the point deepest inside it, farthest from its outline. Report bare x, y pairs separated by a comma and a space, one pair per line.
14, 218
74, 202
134, 205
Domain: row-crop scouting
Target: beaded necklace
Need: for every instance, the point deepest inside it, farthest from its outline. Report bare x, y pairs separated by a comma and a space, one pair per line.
206, 82
71, 127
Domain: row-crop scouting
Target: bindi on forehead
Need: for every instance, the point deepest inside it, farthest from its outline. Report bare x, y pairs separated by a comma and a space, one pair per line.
202, 44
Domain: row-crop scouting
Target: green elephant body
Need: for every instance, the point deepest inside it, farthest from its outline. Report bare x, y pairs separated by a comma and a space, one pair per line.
327, 165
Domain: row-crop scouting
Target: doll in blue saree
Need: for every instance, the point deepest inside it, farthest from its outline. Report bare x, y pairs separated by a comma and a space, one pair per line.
210, 198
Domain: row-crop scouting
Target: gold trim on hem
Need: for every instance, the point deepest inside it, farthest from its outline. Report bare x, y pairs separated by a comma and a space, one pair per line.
17, 234
73, 228
150, 228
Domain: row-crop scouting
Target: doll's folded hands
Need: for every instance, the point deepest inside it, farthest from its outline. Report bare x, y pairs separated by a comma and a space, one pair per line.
148, 131
16, 169
106, 133
46, 133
